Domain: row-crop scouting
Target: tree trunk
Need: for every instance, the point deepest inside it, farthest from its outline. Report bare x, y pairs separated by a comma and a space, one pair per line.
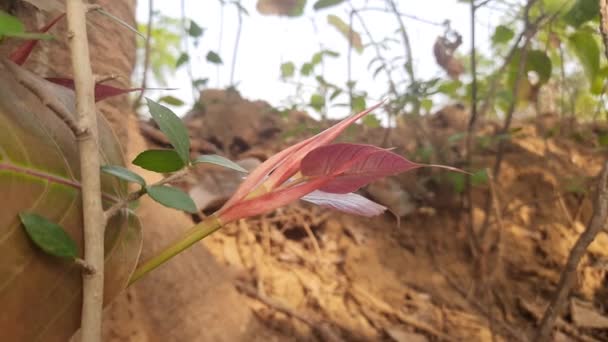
191, 298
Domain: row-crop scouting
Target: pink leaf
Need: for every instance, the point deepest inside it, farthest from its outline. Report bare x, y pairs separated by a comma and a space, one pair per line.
352, 166
20, 55
269, 201
349, 203
287, 162
102, 91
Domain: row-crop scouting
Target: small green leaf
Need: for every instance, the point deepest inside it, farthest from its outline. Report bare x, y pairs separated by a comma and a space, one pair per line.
49, 236
159, 161
426, 104
317, 102
214, 58
173, 127
183, 58
602, 139
371, 121
539, 62
218, 160
201, 82
358, 104
306, 69
502, 35
195, 30
347, 32
321, 4
10, 24
287, 69
172, 198
124, 174
479, 177
171, 100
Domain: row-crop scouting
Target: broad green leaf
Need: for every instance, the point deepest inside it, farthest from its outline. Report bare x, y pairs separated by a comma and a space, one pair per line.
426, 104
287, 69
195, 30
172, 198
317, 102
123, 173
306, 69
173, 127
39, 173
502, 35
587, 50
159, 161
581, 12
10, 24
322, 4
218, 160
347, 32
214, 58
171, 100
49, 236
539, 62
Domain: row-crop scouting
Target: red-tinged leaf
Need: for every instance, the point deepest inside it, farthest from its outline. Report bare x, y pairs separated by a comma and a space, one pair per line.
292, 162
20, 55
286, 163
352, 166
102, 91
349, 203
269, 201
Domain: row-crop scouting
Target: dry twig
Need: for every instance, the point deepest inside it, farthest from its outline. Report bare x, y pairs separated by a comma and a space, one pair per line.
568, 276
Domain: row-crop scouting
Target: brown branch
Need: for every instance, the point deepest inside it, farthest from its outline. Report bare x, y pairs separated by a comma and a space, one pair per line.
568, 275
94, 222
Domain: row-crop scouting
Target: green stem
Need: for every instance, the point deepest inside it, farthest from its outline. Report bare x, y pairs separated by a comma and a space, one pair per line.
195, 234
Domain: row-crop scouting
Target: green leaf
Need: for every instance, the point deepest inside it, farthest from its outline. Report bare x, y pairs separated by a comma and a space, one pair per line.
322, 4
10, 25
49, 236
502, 35
479, 177
306, 69
201, 82
172, 198
159, 161
358, 104
214, 58
171, 100
581, 12
195, 30
371, 121
539, 62
173, 127
123, 173
183, 58
287, 69
587, 51
602, 139
317, 102
218, 160
426, 104
347, 32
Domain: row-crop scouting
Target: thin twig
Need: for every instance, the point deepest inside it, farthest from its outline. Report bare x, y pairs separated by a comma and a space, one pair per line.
144, 77
186, 47
409, 66
116, 207
237, 41
568, 275
94, 223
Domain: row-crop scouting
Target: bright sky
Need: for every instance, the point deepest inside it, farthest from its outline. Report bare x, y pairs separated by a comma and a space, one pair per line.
268, 41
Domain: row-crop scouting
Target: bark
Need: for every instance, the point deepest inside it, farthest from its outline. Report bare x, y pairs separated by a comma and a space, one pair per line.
191, 298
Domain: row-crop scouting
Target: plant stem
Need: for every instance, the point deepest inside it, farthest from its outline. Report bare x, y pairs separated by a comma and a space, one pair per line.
195, 234
94, 222
147, 49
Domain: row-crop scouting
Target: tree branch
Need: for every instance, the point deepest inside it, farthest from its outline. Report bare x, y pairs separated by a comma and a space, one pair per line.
568, 276
94, 222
